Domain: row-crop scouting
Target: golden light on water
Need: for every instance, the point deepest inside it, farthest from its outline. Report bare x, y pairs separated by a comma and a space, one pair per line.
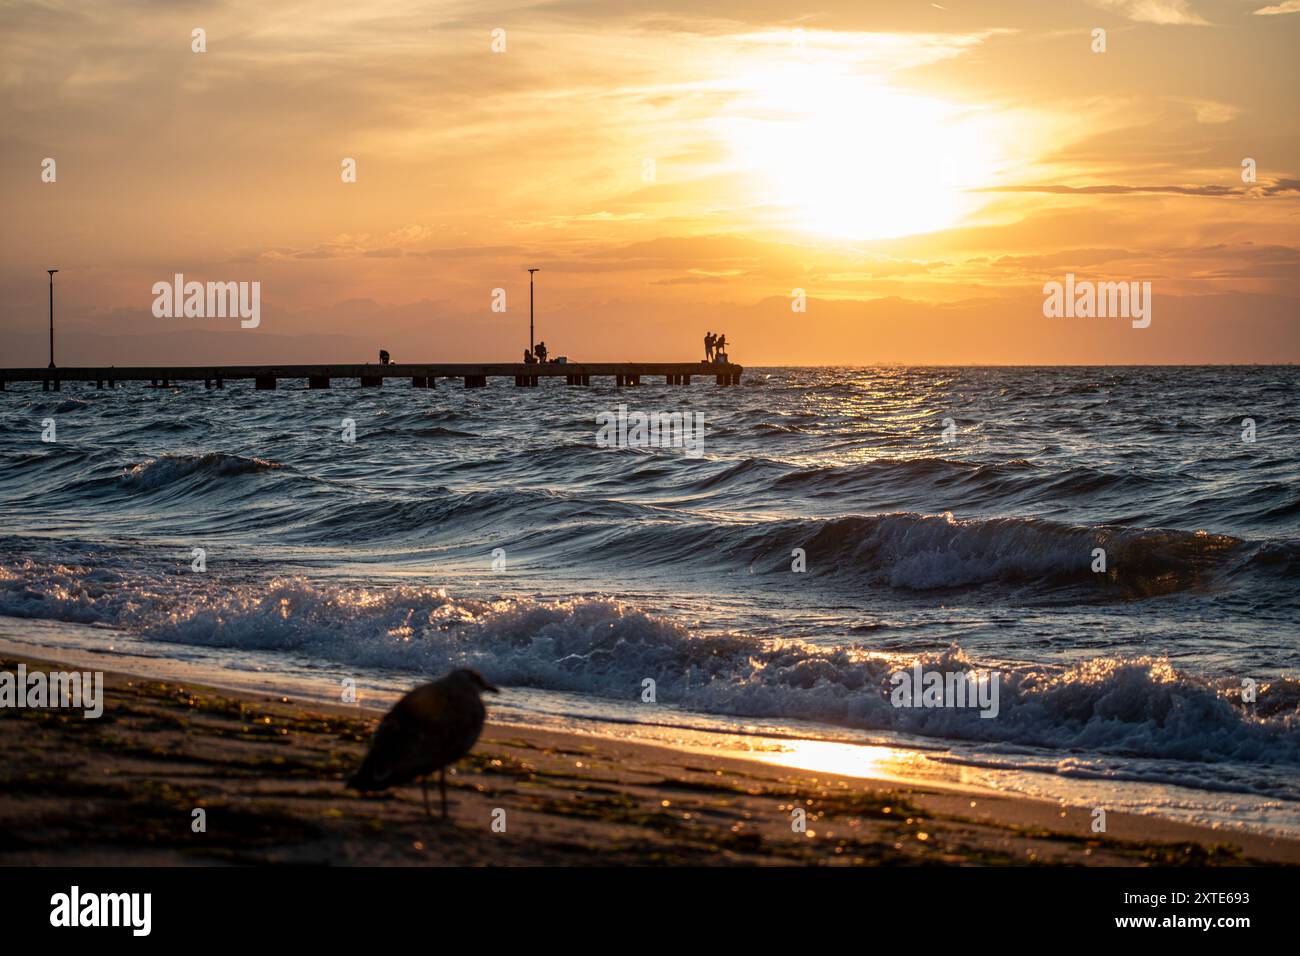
848, 760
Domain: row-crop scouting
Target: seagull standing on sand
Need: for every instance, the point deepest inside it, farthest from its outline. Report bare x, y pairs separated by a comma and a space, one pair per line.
428, 729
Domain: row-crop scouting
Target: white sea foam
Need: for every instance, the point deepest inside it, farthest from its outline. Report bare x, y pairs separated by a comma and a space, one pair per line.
605, 648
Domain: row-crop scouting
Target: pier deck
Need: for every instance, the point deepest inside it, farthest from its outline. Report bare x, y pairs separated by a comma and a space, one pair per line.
420, 374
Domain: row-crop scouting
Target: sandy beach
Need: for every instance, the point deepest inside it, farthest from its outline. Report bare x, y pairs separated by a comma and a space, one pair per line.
269, 772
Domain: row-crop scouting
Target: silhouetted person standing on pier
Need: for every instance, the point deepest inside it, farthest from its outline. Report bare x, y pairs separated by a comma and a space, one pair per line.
709, 339
541, 352
720, 348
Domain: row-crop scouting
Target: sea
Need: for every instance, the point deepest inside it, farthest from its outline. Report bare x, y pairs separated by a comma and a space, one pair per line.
1118, 546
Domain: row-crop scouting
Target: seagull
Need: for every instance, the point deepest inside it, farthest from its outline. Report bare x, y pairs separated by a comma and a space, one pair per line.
431, 727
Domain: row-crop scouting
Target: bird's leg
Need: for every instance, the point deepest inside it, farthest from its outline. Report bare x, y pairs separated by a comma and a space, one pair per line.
424, 785
442, 783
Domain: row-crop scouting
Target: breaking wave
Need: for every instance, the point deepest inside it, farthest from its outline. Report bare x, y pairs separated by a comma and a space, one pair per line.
605, 648
167, 469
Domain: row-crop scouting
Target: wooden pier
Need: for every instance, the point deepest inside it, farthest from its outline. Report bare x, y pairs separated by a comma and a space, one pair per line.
623, 374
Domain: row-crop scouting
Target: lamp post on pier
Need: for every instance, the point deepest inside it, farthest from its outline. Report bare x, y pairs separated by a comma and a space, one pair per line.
530, 308
51, 272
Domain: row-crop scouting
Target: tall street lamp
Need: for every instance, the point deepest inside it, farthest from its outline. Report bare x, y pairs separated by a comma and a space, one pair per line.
530, 307
51, 272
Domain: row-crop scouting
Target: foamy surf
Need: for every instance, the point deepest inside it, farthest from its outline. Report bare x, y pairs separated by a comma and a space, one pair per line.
602, 647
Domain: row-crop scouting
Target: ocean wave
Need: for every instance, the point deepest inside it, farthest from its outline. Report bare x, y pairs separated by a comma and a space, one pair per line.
606, 648
407, 432
925, 552
167, 469
991, 480
919, 552
902, 550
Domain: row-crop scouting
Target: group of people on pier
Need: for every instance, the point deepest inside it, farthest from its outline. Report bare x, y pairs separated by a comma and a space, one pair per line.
715, 350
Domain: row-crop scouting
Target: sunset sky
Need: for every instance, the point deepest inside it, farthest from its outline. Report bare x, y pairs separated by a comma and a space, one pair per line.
919, 169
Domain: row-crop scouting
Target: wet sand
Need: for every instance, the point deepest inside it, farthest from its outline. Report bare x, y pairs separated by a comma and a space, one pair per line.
268, 774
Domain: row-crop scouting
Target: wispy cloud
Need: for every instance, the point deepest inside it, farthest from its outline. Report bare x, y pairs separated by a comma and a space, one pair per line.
1287, 6
1211, 112
1277, 187
1167, 12
650, 160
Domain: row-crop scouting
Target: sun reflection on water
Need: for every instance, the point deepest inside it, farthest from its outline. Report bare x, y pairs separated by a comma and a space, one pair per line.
849, 760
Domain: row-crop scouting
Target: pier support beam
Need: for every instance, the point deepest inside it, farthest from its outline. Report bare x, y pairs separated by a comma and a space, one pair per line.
264, 381
318, 381
476, 381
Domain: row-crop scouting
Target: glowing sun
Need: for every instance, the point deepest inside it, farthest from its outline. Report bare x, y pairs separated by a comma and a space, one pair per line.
840, 155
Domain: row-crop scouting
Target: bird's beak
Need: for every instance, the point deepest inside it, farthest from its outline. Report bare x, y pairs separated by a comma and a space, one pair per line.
492, 687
